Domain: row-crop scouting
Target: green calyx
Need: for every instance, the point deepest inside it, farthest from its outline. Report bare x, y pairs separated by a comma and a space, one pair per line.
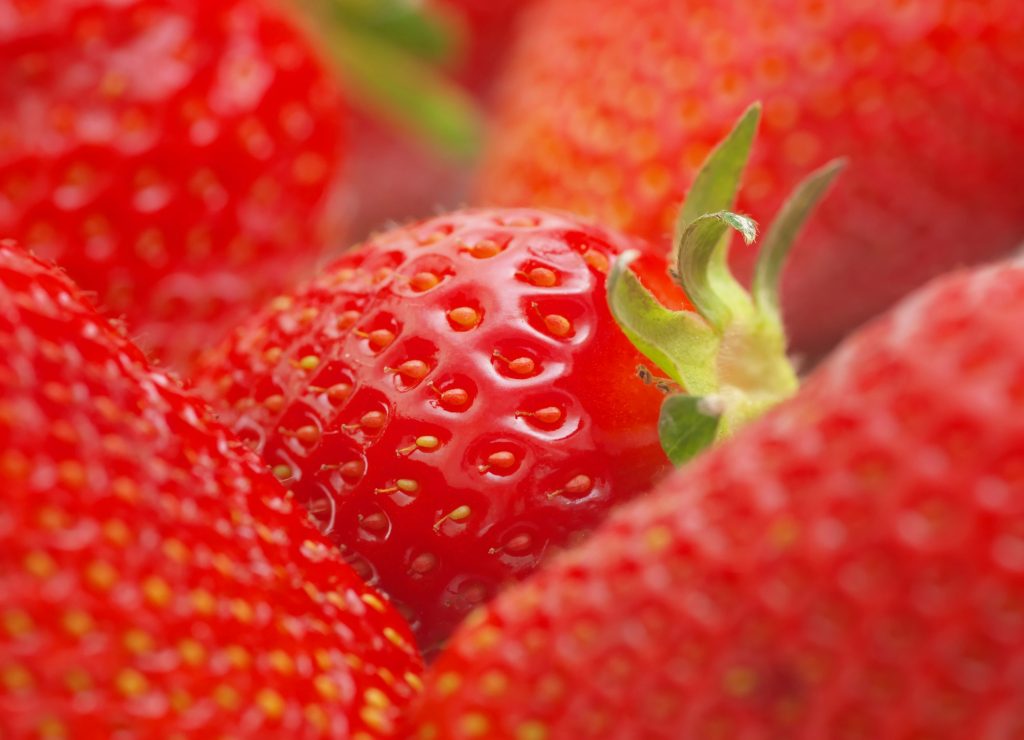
729, 354
388, 55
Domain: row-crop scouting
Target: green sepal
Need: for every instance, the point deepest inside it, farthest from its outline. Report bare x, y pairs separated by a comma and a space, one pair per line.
703, 271
729, 353
718, 181
686, 427
382, 54
680, 343
401, 24
782, 235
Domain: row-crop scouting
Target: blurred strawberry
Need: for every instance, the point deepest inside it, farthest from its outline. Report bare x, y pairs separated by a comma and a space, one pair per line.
609, 113
184, 159
156, 580
178, 158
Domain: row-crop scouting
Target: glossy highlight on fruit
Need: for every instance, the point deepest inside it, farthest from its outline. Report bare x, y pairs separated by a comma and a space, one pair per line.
155, 580
451, 401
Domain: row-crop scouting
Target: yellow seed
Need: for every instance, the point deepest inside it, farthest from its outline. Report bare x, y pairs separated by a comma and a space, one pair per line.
181, 700
203, 601
326, 687
156, 591
270, 702
406, 485
393, 636
317, 717
77, 622
136, 641
39, 564
658, 538
242, 610
532, 731
131, 683
376, 698
460, 513
175, 550
281, 662
427, 442
414, 681
192, 652
309, 362
376, 720
17, 622
226, 696
238, 656
116, 531
475, 725
373, 601
448, 683
101, 574
16, 678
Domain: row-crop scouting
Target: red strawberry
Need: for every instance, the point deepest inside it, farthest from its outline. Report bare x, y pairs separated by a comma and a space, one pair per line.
156, 580
609, 114
430, 398
175, 157
454, 399
852, 566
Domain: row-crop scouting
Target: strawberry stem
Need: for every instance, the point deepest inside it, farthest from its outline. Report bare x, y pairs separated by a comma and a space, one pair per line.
729, 354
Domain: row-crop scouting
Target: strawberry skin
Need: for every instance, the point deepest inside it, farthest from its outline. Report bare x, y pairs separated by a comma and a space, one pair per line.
450, 401
177, 158
851, 566
156, 580
609, 115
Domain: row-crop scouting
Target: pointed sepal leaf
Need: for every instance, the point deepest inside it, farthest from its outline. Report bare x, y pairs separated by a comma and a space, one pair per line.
718, 181
782, 234
703, 270
680, 343
686, 426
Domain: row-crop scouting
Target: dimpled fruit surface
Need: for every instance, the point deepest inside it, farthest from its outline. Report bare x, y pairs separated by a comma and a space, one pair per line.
451, 401
850, 566
610, 115
176, 157
155, 580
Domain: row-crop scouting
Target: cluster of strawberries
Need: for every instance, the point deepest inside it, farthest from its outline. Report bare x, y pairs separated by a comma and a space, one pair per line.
549, 442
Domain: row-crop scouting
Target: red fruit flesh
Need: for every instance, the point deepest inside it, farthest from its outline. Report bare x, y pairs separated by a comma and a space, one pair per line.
610, 115
850, 566
177, 158
156, 581
450, 401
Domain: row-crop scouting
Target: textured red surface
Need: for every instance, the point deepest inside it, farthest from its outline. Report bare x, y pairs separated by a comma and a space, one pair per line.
153, 575
609, 114
850, 566
177, 158
335, 384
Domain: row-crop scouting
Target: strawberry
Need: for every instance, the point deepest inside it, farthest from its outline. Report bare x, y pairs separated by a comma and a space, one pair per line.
453, 399
178, 158
850, 566
430, 399
156, 579
609, 115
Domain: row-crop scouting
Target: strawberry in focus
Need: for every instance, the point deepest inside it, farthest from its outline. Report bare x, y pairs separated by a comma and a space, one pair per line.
450, 401
178, 158
156, 580
456, 398
609, 114
850, 566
